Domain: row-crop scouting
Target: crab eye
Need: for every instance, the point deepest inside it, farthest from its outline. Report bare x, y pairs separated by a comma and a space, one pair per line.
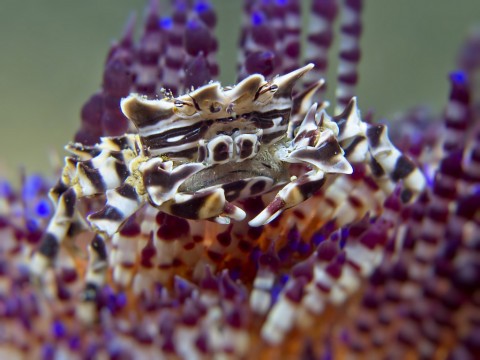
179, 103
263, 89
273, 88
215, 107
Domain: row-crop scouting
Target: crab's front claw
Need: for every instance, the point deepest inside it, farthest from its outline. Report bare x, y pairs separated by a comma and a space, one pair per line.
205, 205
328, 157
316, 144
289, 196
162, 181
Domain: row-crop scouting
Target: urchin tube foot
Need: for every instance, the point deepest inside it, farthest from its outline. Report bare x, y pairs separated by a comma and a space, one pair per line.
45, 254
95, 278
392, 166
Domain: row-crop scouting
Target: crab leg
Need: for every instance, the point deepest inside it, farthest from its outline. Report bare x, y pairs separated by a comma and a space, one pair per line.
290, 195
94, 176
122, 202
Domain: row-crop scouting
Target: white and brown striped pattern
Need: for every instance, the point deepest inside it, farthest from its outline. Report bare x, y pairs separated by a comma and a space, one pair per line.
319, 39
349, 57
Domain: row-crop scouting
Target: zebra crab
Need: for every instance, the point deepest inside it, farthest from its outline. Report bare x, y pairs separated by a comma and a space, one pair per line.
195, 155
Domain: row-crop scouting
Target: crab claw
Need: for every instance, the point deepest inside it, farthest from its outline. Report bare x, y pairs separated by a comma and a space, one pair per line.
318, 148
290, 195
327, 156
162, 180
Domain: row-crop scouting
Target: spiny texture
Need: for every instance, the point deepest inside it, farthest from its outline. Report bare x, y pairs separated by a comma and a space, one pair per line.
352, 271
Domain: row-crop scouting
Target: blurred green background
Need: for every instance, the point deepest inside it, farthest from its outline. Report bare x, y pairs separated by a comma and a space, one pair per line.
52, 55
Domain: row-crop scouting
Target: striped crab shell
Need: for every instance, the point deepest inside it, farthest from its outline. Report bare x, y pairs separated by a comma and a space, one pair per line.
231, 144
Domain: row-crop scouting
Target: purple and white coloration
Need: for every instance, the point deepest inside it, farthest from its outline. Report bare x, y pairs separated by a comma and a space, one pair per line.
199, 155
350, 272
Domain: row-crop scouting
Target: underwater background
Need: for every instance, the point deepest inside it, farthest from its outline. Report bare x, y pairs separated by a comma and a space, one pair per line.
53, 52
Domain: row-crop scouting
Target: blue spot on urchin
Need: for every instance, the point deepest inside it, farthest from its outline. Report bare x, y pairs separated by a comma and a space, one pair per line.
121, 300
458, 77
282, 2
166, 23
43, 208
257, 18
318, 238
201, 7
58, 329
